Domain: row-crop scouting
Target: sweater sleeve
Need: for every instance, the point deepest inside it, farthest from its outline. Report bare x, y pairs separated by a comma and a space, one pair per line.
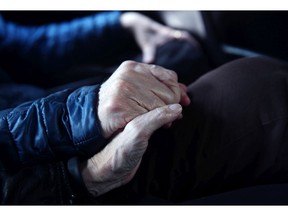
53, 46
59, 126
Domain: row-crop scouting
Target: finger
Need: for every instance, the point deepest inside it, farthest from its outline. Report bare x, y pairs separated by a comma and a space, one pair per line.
132, 142
169, 78
184, 36
133, 107
183, 86
148, 54
148, 101
188, 37
170, 123
128, 147
162, 82
185, 100
144, 125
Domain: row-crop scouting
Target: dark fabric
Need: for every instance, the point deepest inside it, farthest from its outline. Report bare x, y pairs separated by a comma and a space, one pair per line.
12, 94
37, 125
184, 58
45, 51
59, 126
5, 78
19, 43
77, 182
233, 135
188, 61
45, 184
41, 126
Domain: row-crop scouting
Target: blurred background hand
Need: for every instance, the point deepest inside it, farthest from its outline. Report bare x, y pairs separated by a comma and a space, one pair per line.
150, 34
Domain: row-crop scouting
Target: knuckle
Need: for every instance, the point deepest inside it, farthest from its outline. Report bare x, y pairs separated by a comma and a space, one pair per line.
112, 101
155, 67
129, 64
172, 97
172, 74
119, 85
169, 74
128, 68
177, 95
111, 107
158, 69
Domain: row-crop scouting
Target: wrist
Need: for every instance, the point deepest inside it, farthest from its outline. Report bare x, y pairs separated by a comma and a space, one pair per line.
101, 112
87, 176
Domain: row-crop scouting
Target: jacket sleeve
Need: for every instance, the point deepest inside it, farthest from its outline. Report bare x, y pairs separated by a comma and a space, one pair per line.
38, 184
59, 126
41, 184
52, 47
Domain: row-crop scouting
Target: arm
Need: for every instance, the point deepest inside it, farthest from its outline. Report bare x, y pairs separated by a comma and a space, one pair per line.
119, 161
52, 47
65, 124
61, 125
62, 183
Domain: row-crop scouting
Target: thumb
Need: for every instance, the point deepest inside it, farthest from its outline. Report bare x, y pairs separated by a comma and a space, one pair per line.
147, 123
148, 54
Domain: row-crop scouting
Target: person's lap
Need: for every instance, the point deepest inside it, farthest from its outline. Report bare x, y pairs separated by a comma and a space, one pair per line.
237, 126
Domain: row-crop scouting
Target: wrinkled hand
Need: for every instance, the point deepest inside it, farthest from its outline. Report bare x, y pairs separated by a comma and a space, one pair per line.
149, 34
118, 162
133, 89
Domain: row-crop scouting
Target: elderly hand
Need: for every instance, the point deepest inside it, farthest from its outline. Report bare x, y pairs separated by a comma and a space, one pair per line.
118, 162
133, 89
150, 34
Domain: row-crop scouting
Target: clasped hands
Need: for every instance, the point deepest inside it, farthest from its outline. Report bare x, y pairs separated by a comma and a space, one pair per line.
134, 102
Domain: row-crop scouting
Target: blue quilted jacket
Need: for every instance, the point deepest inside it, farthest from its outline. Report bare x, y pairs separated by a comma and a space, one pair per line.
63, 124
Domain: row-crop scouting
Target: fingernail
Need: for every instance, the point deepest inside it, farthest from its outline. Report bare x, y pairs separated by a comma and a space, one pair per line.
175, 107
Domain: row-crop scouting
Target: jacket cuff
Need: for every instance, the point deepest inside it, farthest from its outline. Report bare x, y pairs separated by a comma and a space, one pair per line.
86, 132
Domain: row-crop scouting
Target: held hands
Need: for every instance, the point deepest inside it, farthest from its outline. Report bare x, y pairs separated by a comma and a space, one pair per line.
150, 34
118, 162
134, 89
134, 102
